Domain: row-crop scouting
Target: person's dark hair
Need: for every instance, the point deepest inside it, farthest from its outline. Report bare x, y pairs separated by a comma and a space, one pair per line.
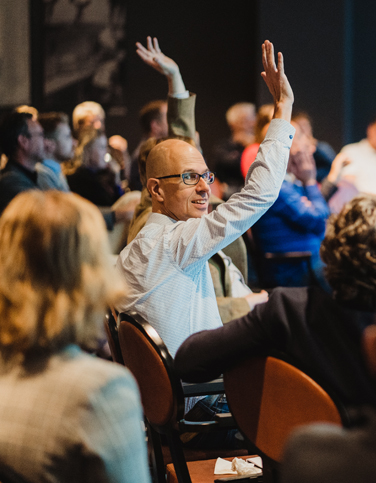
150, 112
50, 121
349, 251
13, 125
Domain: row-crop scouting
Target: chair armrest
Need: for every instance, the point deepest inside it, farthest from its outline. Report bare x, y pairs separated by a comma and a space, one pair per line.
203, 388
221, 421
225, 420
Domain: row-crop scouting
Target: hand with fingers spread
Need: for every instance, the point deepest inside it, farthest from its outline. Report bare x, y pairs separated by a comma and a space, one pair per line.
277, 82
153, 56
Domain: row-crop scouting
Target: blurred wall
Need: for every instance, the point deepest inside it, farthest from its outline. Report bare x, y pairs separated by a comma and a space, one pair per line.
14, 53
330, 54
215, 46
329, 48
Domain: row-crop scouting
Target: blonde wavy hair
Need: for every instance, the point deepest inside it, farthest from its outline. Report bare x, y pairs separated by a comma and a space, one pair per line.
81, 156
56, 276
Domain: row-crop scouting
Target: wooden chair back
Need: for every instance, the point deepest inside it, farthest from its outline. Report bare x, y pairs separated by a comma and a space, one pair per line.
147, 357
113, 337
269, 398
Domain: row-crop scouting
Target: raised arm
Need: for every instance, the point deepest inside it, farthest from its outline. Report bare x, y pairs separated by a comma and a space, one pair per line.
277, 82
153, 56
181, 103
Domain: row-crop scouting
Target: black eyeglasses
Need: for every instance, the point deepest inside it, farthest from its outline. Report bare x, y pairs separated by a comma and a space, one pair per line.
193, 178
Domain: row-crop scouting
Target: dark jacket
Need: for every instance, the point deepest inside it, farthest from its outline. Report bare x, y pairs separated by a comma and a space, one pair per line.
321, 335
15, 179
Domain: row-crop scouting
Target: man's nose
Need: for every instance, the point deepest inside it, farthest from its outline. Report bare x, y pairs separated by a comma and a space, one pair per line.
202, 185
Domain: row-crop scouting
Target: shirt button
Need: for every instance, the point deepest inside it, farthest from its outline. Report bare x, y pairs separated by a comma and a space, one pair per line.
291, 136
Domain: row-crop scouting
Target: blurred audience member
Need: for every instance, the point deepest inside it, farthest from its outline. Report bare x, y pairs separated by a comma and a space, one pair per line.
64, 415
30, 109
294, 223
362, 170
59, 147
263, 118
153, 121
226, 155
88, 114
91, 114
22, 141
323, 152
91, 177
118, 148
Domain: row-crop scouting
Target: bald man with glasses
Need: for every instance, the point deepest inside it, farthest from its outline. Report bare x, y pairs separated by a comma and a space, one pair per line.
165, 266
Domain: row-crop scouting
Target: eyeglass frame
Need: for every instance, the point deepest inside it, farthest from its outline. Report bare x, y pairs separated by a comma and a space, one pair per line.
183, 176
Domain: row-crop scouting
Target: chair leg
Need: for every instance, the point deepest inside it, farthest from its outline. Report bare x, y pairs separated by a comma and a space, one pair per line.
178, 457
156, 456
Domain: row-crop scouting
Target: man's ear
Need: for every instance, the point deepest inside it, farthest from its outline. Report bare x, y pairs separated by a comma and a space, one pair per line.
23, 142
155, 189
369, 347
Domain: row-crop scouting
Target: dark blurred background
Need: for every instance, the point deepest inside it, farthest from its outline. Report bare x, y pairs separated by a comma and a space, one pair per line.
329, 48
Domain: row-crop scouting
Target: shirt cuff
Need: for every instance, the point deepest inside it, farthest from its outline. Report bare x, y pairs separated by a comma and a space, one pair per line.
281, 130
181, 95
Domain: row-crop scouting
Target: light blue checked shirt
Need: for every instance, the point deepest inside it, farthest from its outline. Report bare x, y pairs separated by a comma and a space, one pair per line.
166, 265
76, 419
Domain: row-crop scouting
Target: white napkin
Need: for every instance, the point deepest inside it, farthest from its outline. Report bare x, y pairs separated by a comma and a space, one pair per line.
223, 467
237, 466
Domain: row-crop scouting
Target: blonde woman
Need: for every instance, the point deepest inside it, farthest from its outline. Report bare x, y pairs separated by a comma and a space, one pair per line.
92, 177
64, 415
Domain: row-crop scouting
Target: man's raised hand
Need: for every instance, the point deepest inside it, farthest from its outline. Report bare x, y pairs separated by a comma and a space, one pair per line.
277, 82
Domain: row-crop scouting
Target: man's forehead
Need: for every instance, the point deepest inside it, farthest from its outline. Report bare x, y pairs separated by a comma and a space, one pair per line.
193, 167
174, 156
188, 159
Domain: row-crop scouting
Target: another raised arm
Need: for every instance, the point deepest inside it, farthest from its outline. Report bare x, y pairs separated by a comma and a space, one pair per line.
181, 103
153, 56
277, 82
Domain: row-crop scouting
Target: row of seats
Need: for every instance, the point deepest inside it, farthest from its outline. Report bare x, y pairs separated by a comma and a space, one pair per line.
268, 398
